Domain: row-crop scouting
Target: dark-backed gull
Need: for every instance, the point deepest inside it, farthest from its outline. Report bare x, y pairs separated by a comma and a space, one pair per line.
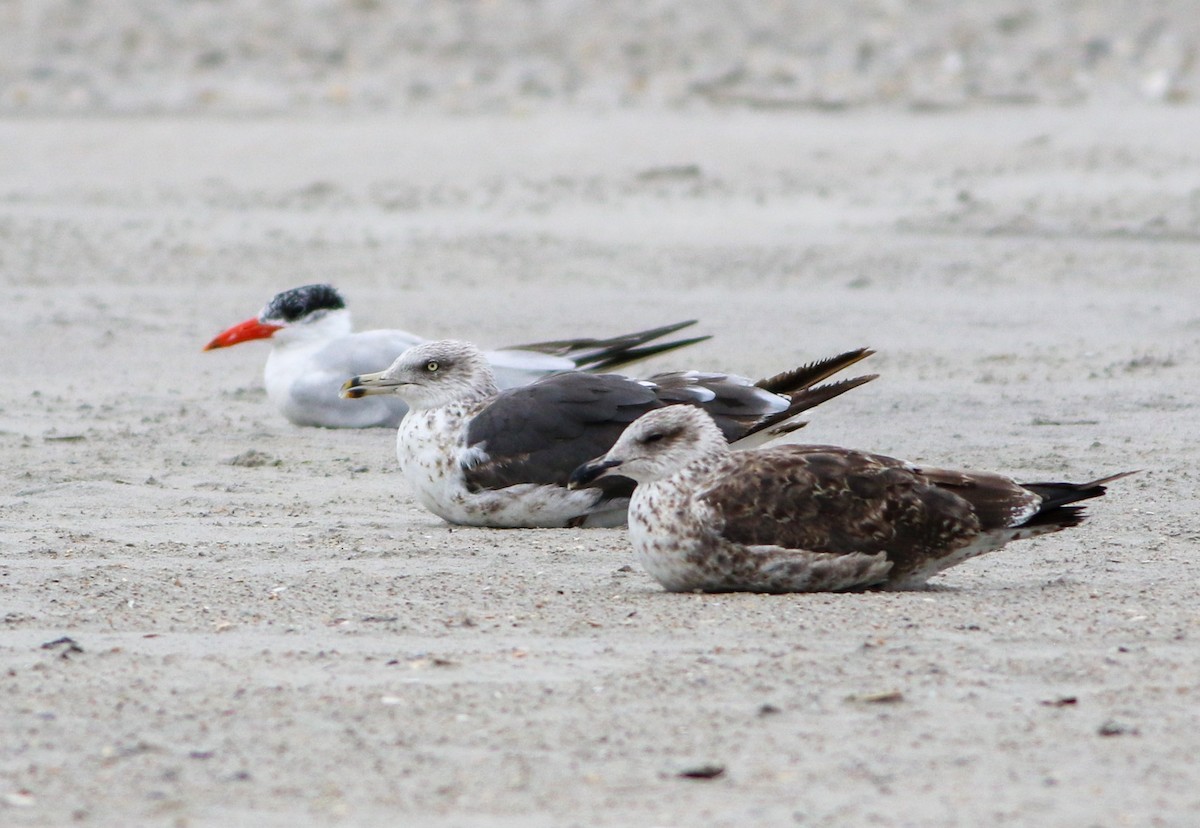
479, 456
314, 351
797, 518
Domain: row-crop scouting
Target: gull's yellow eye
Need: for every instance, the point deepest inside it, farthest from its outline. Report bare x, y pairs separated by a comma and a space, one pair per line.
431, 366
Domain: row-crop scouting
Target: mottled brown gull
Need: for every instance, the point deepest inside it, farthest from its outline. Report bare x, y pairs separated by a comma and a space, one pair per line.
478, 456
797, 518
314, 350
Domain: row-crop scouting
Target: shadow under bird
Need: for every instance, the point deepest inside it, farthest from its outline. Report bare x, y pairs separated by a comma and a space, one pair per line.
479, 456
798, 518
314, 350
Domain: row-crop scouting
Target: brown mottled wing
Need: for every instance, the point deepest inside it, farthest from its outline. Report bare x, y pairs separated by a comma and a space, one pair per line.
1001, 502
827, 499
998, 501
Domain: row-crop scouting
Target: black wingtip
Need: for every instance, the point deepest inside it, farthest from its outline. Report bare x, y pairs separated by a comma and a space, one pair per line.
1057, 493
565, 347
812, 397
1056, 497
1104, 481
1058, 517
631, 355
594, 354
805, 399
808, 375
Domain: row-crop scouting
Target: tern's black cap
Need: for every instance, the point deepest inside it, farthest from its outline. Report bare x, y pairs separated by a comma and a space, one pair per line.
297, 303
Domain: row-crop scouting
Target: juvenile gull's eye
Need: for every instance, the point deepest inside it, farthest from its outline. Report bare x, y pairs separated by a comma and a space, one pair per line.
431, 366
653, 438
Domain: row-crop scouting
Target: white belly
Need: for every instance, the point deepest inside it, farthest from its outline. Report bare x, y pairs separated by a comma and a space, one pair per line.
433, 463
660, 550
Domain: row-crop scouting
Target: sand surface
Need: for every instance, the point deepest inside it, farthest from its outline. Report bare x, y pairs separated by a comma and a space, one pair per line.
267, 631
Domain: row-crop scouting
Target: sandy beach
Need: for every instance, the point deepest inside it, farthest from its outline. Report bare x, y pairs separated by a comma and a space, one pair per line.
211, 617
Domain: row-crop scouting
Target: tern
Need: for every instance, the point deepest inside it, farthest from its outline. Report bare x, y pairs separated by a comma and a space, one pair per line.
314, 351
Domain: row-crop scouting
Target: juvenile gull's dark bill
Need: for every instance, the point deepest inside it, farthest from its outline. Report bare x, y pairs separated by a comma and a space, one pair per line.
479, 456
314, 351
797, 518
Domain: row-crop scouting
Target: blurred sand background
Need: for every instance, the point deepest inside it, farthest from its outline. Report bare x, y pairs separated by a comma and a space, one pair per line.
1002, 198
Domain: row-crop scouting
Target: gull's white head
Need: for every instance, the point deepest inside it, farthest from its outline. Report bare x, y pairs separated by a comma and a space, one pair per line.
656, 445
430, 375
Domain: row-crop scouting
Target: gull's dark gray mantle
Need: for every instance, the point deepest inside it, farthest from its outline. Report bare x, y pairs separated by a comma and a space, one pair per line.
540, 433
799, 518
478, 456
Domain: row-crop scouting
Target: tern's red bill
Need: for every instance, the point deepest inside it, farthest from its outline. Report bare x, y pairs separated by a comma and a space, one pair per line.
242, 332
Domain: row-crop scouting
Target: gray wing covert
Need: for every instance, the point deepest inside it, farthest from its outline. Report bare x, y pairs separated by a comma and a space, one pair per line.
541, 432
